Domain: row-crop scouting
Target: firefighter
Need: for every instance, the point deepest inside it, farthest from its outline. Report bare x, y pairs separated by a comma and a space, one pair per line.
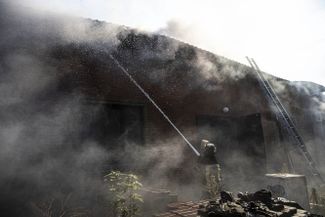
211, 169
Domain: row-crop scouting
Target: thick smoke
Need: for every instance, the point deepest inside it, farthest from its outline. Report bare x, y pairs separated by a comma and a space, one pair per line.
42, 119
43, 151
207, 64
41, 155
177, 30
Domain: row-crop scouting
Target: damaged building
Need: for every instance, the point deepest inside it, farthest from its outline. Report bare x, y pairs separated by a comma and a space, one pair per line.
205, 95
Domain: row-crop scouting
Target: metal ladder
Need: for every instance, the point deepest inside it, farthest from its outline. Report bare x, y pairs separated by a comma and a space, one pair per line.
286, 120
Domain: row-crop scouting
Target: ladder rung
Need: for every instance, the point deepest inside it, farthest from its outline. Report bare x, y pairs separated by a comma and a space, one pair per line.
267, 88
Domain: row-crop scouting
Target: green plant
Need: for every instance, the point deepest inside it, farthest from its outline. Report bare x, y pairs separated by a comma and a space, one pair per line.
124, 190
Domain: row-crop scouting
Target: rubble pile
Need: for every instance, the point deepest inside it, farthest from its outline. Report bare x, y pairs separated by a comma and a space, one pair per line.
259, 204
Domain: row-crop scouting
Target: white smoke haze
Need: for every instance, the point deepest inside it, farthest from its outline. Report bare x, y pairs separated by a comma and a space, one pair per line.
179, 30
63, 26
33, 138
291, 94
39, 129
25, 78
39, 155
286, 38
210, 70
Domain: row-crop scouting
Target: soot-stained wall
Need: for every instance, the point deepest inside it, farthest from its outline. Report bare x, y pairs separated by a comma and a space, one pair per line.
188, 83
178, 84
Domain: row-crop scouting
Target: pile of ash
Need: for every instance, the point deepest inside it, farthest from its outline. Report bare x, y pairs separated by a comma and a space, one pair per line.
258, 204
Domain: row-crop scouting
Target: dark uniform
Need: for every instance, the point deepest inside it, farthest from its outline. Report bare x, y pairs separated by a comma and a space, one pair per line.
211, 168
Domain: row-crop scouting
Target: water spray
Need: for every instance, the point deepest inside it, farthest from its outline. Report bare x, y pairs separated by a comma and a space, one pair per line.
154, 103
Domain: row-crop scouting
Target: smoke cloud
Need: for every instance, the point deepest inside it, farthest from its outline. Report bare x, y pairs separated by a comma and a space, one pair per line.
41, 127
44, 153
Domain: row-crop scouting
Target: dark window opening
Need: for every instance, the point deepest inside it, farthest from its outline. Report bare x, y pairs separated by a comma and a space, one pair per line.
115, 127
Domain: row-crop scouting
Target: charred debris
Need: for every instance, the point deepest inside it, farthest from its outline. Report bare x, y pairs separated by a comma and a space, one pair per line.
259, 203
